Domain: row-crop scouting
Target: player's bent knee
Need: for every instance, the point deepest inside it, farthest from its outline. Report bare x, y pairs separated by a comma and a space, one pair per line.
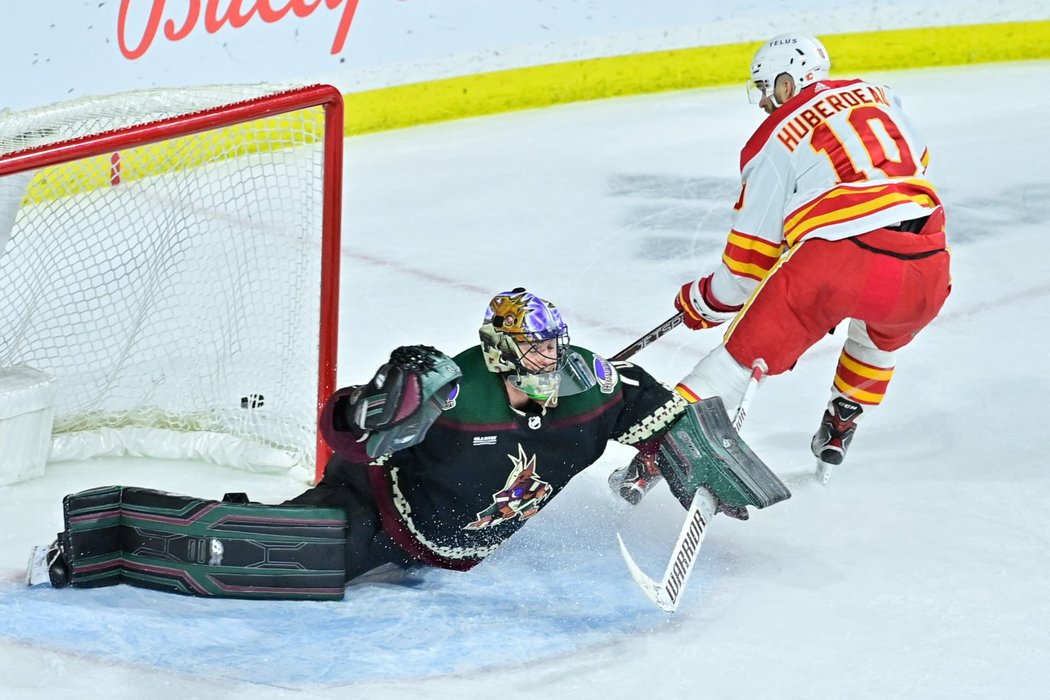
718, 374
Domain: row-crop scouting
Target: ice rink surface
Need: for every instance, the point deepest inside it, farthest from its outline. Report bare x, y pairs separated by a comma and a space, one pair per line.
919, 571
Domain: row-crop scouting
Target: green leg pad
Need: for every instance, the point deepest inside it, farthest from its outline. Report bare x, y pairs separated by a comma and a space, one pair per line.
168, 542
702, 449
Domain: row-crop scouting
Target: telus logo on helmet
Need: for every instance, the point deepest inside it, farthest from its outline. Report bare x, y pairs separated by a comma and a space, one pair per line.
234, 16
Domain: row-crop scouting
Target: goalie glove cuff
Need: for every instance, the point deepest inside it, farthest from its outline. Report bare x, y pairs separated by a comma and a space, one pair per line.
404, 398
388, 399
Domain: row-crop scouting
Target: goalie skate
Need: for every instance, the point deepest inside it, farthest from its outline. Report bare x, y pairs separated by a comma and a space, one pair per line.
46, 565
637, 478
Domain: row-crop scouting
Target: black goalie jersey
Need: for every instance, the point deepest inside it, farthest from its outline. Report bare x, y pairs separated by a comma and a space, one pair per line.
485, 468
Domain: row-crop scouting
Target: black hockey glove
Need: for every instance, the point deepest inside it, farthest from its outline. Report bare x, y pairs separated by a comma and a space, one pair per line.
406, 395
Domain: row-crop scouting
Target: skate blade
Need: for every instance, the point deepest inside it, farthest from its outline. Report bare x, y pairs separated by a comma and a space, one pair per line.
36, 571
823, 471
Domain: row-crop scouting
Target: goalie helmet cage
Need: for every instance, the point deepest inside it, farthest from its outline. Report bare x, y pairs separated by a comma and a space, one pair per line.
174, 266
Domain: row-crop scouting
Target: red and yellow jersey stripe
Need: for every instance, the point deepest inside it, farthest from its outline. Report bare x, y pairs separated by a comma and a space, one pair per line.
750, 256
847, 203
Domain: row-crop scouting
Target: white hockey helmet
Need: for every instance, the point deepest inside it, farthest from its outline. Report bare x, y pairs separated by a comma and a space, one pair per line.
801, 56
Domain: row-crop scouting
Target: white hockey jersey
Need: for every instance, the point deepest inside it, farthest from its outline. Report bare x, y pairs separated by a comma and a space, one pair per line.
839, 159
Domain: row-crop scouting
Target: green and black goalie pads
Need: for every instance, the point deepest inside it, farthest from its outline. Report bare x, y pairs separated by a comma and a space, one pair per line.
702, 449
168, 542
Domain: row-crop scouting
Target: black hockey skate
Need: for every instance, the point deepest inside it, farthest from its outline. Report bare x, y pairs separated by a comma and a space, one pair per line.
836, 431
633, 481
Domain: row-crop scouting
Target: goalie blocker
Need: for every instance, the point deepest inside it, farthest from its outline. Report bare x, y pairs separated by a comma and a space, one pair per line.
703, 450
220, 549
709, 469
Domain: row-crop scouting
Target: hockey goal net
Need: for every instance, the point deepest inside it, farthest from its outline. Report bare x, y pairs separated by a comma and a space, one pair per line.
170, 258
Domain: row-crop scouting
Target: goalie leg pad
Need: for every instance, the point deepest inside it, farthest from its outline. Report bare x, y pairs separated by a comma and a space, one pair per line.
702, 449
168, 542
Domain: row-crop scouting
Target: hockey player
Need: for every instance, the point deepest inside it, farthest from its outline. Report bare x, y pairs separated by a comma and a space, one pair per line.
529, 413
836, 220
437, 462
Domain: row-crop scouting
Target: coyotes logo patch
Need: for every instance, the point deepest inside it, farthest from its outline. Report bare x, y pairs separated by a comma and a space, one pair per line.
521, 497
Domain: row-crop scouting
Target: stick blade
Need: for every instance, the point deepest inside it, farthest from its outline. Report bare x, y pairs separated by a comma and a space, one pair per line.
649, 587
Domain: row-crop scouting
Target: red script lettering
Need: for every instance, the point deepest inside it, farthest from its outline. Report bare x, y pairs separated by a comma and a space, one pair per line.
237, 14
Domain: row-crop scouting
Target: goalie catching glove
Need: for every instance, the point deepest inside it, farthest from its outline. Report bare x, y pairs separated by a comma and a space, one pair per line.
699, 307
404, 398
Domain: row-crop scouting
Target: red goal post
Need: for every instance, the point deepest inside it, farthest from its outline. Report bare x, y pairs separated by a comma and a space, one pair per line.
171, 259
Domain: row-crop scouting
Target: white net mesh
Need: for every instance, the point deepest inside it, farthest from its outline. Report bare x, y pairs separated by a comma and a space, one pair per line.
174, 285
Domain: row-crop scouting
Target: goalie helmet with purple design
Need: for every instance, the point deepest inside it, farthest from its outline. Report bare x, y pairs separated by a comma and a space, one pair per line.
525, 339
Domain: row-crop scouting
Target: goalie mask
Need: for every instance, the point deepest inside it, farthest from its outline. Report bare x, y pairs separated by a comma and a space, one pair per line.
525, 339
801, 56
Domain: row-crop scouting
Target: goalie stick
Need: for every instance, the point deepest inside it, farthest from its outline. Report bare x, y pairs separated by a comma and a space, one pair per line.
666, 594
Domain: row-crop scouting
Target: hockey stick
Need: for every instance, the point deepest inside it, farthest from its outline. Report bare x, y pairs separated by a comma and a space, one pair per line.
758, 371
648, 338
702, 509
